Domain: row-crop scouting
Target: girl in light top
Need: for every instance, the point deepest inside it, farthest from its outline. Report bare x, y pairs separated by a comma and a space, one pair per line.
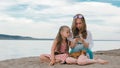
81, 40
81, 37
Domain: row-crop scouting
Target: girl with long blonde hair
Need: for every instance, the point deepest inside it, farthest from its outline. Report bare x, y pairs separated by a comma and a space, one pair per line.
60, 47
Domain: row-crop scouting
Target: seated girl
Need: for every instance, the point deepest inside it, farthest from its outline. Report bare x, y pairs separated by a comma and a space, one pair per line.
60, 48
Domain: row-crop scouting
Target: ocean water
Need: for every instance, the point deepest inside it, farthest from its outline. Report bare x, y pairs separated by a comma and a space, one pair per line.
11, 49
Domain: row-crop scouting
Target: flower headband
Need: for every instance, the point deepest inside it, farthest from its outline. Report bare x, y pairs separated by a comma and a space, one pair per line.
78, 16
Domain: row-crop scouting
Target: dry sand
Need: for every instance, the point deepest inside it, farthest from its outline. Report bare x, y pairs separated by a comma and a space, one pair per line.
113, 56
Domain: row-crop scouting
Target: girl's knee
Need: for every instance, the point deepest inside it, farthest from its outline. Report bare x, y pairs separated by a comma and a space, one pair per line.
70, 60
81, 63
42, 56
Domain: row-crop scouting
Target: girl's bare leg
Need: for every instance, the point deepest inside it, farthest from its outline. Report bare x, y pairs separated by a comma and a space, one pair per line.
101, 61
71, 60
84, 60
44, 58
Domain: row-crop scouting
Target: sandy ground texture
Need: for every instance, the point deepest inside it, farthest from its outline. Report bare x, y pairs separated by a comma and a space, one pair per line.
113, 56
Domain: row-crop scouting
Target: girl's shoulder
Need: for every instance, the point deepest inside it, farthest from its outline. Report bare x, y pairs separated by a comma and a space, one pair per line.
55, 41
88, 32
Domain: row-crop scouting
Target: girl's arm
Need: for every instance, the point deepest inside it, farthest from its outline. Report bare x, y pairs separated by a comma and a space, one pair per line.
81, 39
88, 42
75, 40
52, 52
89, 39
73, 43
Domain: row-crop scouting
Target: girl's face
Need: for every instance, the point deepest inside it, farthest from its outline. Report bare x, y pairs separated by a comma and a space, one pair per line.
79, 23
66, 32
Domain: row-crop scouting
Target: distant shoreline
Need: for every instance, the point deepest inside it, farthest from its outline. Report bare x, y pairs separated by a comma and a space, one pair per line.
53, 39
17, 37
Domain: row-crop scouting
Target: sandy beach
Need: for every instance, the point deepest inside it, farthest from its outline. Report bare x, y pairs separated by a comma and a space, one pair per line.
112, 56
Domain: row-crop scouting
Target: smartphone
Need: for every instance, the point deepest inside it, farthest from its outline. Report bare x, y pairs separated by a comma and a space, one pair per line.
77, 37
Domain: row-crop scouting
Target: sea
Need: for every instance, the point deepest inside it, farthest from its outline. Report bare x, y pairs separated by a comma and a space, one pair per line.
12, 49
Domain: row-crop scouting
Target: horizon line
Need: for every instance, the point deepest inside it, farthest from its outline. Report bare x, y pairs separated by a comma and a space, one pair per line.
53, 39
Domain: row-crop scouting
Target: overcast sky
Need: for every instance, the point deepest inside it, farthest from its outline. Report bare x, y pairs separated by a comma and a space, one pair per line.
42, 18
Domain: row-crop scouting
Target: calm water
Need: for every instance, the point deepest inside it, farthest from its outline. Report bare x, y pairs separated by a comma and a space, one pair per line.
10, 49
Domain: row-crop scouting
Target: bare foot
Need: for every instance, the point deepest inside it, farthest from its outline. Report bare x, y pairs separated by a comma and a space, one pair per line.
102, 61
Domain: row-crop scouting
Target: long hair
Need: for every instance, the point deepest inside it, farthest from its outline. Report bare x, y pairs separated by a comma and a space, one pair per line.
60, 39
75, 30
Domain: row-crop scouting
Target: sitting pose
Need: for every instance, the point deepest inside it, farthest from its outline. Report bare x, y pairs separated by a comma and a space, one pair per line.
81, 39
60, 48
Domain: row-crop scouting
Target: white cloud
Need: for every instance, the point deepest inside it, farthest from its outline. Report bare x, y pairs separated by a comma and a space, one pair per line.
5, 3
53, 3
26, 27
59, 13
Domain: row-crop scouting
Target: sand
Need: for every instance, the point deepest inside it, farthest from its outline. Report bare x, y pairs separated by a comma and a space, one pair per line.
113, 56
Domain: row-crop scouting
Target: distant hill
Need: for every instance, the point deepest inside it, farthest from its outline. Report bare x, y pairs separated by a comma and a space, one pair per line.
16, 37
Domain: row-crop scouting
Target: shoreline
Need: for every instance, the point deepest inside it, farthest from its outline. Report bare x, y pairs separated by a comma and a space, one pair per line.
4, 59
112, 56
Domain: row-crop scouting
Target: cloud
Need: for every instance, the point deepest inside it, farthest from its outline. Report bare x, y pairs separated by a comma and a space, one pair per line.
42, 18
5, 3
25, 27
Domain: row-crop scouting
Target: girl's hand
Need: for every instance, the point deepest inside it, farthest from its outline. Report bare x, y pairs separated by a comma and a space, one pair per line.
76, 40
86, 44
82, 39
52, 62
